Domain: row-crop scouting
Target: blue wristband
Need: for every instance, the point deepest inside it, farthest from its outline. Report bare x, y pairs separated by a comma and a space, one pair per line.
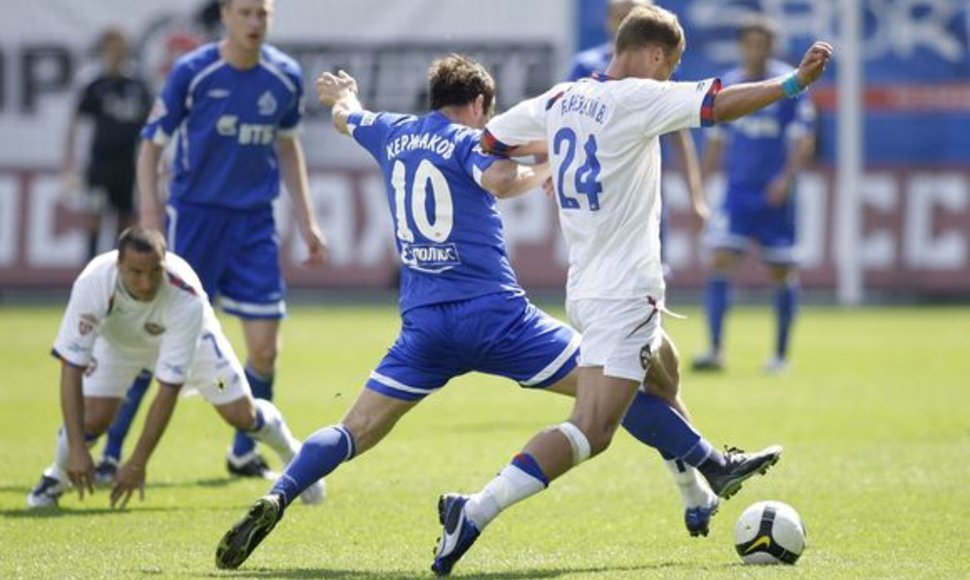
791, 87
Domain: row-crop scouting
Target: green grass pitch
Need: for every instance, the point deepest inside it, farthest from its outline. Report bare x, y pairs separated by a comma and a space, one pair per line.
874, 419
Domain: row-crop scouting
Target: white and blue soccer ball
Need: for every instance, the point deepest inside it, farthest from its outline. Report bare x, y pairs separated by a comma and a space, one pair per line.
769, 532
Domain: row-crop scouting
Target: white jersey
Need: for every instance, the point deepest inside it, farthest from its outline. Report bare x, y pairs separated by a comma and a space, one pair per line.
167, 330
605, 154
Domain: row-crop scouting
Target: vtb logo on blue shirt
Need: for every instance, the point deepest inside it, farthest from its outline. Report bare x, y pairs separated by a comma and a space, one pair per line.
246, 133
432, 258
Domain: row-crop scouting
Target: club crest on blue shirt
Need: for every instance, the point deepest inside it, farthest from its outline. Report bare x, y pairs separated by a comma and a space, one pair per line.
267, 104
153, 328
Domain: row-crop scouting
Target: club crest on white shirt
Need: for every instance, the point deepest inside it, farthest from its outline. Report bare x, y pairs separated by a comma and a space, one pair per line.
86, 324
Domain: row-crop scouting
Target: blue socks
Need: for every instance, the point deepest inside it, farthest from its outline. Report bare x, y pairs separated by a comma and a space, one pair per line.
321, 453
126, 415
652, 421
786, 306
262, 388
716, 303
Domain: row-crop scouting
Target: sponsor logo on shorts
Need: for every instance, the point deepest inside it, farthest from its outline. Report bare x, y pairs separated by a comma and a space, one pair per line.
153, 328
646, 355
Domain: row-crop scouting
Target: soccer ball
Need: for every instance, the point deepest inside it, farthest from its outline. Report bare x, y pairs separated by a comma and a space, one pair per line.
769, 532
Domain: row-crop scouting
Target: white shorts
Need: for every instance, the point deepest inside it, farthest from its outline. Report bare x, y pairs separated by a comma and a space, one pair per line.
619, 335
216, 373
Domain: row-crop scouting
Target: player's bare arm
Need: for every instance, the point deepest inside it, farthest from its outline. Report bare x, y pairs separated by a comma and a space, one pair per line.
506, 178
339, 91
293, 169
80, 466
149, 206
745, 98
131, 474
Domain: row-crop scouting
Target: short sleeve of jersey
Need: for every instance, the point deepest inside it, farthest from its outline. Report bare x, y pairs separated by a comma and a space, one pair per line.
178, 348
85, 312
291, 120
473, 160
523, 123
370, 129
664, 107
169, 108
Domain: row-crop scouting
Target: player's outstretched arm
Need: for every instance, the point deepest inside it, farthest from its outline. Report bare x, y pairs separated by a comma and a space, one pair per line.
505, 178
131, 474
80, 466
338, 91
745, 98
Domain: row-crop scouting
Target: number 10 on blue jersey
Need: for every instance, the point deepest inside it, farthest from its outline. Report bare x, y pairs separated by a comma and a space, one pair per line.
586, 181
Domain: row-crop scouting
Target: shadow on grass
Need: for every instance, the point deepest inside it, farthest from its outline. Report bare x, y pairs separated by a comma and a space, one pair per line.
209, 482
606, 571
56, 512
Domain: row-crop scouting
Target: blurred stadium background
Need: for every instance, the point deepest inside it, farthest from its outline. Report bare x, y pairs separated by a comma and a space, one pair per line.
911, 240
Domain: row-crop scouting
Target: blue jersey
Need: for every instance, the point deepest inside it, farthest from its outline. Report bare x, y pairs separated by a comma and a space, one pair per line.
591, 61
226, 122
757, 147
448, 232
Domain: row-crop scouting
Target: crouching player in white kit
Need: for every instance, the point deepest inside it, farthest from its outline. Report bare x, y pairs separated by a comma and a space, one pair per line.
141, 307
602, 137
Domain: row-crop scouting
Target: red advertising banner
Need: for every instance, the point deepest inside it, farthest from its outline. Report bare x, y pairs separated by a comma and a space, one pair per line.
915, 236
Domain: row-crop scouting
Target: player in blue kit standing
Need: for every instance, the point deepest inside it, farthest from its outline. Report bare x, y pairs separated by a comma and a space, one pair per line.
234, 109
762, 155
462, 308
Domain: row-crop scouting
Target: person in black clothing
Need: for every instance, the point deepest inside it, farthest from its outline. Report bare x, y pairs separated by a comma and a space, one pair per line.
117, 102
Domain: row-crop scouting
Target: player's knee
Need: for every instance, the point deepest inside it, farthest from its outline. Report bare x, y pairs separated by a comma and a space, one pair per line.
783, 274
724, 261
587, 438
240, 413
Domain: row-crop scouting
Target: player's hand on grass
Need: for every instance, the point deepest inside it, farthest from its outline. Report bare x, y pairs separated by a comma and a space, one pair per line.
778, 191
813, 63
80, 470
334, 87
130, 476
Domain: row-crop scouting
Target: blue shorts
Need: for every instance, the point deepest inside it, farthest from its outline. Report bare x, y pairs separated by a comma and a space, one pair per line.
773, 228
234, 252
498, 334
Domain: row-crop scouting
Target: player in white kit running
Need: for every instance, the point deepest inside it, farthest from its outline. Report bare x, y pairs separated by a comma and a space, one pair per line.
140, 307
601, 135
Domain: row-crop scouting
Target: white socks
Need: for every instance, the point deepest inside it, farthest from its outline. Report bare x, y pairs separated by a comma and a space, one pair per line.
693, 489
510, 486
275, 432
